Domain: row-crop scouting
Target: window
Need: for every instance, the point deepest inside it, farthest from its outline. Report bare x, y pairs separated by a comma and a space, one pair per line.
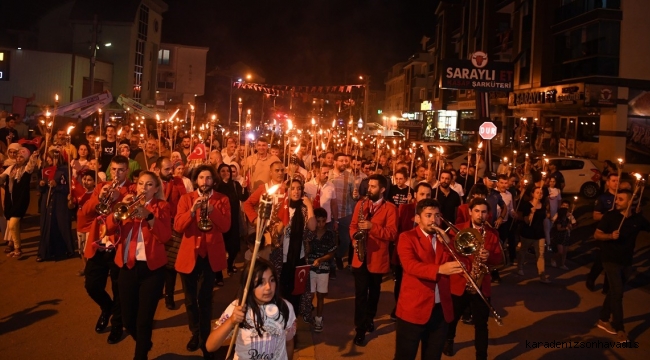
140, 43
163, 57
566, 164
588, 129
423, 94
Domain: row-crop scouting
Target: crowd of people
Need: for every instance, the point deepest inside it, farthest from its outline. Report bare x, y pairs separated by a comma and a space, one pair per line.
145, 212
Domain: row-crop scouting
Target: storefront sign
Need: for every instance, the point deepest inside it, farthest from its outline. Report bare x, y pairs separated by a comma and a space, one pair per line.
477, 74
600, 95
547, 97
426, 106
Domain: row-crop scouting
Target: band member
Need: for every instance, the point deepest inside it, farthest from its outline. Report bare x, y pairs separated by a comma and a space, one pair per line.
100, 250
84, 222
424, 307
173, 189
140, 255
202, 251
377, 218
490, 255
618, 230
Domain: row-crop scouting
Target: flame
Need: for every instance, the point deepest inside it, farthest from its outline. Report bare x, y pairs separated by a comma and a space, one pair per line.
637, 176
297, 149
70, 128
505, 159
546, 160
273, 189
620, 161
97, 139
248, 111
525, 182
214, 117
56, 97
480, 145
192, 106
526, 154
313, 121
47, 114
333, 123
157, 117
119, 132
100, 111
322, 144
289, 124
575, 198
442, 150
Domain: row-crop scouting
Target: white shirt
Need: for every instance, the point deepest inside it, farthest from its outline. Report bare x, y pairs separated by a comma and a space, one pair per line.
507, 199
327, 193
434, 242
227, 159
140, 254
188, 184
457, 188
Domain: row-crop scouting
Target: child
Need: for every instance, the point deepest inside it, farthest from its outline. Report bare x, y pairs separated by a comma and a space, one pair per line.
267, 329
323, 246
563, 221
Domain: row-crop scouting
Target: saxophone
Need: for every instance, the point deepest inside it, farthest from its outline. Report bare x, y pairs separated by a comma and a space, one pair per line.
361, 236
479, 269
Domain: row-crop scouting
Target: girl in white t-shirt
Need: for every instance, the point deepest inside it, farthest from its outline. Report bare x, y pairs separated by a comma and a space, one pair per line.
269, 327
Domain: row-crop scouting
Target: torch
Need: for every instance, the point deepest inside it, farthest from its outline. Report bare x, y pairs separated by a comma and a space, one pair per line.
263, 219
620, 166
640, 183
214, 118
478, 160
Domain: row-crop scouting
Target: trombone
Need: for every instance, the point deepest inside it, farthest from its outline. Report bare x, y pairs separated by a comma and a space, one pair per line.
126, 210
467, 243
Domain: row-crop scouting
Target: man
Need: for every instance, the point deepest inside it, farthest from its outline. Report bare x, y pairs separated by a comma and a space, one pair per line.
401, 193
277, 172
259, 165
229, 153
275, 151
424, 307
125, 150
496, 202
383, 165
21, 128
448, 199
505, 234
322, 194
215, 159
465, 180
346, 196
555, 173
458, 188
108, 148
134, 145
173, 188
419, 176
81, 196
67, 147
202, 253
8, 134
618, 230
406, 221
380, 226
329, 159
100, 252
490, 255
150, 155
185, 150
82, 138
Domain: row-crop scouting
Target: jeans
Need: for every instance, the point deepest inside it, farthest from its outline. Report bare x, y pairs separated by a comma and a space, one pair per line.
431, 335
613, 304
539, 245
480, 315
367, 287
344, 238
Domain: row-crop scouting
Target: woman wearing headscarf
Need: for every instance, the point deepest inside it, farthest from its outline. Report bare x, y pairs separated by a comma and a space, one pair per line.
16, 181
10, 159
56, 219
235, 193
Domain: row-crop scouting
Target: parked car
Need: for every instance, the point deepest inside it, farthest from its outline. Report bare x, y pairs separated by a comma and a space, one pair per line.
581, 176
448, 146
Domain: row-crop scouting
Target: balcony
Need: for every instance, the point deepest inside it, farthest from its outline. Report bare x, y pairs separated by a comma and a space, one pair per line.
579, 7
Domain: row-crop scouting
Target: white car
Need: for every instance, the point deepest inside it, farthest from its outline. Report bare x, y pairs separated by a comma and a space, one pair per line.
581, 176
449, 147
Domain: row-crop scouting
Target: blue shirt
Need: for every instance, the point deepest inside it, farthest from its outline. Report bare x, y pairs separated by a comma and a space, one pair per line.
604, 202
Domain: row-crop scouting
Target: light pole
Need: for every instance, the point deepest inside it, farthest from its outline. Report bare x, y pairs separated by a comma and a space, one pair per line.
239, 106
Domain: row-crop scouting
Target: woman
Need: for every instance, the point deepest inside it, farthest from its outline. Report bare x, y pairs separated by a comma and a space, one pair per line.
291, 248
10, 159
235, 193
234, 167
141, 256
81, 162
56, 230
179, 171
533, 214
16, 183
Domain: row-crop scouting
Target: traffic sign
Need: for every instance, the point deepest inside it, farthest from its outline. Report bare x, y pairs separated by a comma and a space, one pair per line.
487, 130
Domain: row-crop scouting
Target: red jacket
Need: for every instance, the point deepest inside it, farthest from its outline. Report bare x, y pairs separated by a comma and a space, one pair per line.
173, 190
154, 237
187, 225
250, 205
406, 221
420, 262
83, 222
491, 238
383, 231
88, 211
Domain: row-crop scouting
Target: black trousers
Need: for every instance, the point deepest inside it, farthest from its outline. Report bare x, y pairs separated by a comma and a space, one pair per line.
480, 315
613, 304
595, 271
197, 287
513, 239
367, 287
140, 290
170, 281
98, 269
399, 273
431, 335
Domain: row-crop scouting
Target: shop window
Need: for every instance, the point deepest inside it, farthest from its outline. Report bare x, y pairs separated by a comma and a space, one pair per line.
566, 164
588, 129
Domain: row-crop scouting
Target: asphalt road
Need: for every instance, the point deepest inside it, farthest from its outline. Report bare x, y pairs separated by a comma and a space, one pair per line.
46, 313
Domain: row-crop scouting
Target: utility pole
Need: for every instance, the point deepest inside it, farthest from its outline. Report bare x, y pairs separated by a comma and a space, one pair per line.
365, 99
93, 58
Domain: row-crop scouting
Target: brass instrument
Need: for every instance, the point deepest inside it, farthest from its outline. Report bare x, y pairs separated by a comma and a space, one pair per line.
104, 207
469, 241
361, 236
126, 210
204, 224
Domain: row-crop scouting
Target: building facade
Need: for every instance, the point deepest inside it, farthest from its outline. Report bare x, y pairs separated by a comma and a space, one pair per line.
181, 74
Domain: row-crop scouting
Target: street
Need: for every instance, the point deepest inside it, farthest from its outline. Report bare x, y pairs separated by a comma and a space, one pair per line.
46, 313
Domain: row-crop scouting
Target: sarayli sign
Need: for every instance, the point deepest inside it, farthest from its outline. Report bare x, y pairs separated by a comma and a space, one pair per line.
477, 73
547, 97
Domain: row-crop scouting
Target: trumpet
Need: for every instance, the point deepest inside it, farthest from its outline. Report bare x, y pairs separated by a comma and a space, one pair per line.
104, 206
124, 210
469, 241
204, 223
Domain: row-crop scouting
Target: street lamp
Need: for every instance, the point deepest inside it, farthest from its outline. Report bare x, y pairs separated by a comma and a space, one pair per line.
239, 106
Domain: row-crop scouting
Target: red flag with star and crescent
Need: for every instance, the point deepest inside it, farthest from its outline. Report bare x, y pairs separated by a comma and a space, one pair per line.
48, 173
283, 213
198, 153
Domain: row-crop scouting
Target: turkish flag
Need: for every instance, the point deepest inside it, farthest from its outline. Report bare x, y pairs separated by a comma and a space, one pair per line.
198, 153
300, 279
48, 173
283, 213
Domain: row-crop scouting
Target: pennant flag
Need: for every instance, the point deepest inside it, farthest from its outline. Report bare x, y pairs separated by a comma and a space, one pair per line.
198, 153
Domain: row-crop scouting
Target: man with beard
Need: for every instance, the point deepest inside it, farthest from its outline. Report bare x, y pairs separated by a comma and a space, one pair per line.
449, 199
108, 148
185, 150
465, 180
134, 145
259, 165
380, 226
173, 189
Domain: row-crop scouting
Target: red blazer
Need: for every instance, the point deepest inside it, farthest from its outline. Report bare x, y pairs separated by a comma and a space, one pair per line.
405, 222
83, 222
491, 238
173, 191
384, 230
417, 294
88, 211
154, 237
250, 205
187, 225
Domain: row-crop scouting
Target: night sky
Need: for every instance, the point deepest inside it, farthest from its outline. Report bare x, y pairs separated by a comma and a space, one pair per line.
307, 42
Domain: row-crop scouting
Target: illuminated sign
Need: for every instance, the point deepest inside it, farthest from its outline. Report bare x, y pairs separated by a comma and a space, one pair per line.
477, 74
4, 65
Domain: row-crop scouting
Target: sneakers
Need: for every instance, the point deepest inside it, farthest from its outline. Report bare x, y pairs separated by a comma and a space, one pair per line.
15, 254
564, 267
318, 323
608, 328
621, 337
307, 318
520, 272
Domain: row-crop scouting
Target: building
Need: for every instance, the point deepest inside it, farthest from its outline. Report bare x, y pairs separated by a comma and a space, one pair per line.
181, 74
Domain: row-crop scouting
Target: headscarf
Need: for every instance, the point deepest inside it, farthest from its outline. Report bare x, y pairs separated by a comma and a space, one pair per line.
8, 161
